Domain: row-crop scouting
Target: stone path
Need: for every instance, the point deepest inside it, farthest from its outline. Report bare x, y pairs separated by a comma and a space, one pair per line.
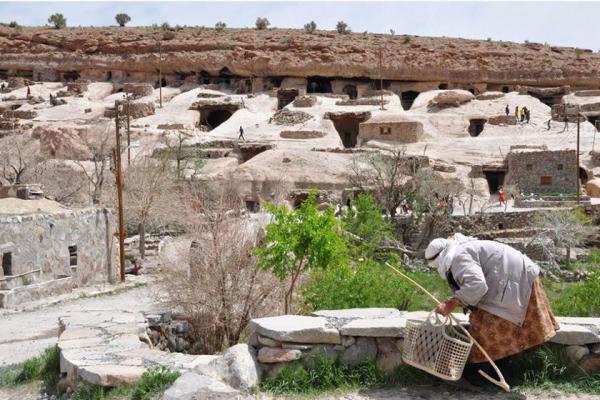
26, 334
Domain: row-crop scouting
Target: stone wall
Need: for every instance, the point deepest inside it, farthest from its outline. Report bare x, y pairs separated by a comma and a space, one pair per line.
541, 171
397, 131
41, 247
502, 120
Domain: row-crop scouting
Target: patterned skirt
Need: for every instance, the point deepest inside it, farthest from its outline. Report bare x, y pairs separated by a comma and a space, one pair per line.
501, 338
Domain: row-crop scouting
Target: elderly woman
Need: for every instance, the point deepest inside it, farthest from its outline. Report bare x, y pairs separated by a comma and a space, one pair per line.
509, 308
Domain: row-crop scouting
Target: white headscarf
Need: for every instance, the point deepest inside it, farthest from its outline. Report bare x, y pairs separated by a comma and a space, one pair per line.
446, 249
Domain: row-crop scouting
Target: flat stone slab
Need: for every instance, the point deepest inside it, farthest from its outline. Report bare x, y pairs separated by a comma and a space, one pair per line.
575, 335
579, 321
378, 327
296, 329
359, 313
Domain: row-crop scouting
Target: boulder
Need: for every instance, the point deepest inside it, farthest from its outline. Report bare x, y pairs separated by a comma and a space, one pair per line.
277, 355
296, 328
576, 353
592, 187
451, 98
191, 386
362, 350
389, 361
237, 367
590, 364
575, 335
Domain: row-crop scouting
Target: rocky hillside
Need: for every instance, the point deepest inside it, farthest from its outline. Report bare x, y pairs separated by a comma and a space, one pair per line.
289, 52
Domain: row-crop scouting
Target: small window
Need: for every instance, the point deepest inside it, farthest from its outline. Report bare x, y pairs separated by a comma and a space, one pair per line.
252, 206
559, 167
385, 130
529, 167
7, 264
72, 255
545, 180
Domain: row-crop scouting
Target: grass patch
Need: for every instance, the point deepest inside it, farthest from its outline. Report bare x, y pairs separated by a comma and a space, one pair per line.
548, 368
578, 299
153, 383
325, 375
45, 367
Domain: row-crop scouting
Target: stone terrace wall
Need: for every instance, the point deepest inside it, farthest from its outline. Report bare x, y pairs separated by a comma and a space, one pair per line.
529, 170
399, 131
41, 242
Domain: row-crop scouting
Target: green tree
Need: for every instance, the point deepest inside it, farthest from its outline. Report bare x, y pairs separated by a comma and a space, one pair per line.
58, 20
262, 23
342, 28
300, 240
310, 27
220, 26
367, 228
122, 19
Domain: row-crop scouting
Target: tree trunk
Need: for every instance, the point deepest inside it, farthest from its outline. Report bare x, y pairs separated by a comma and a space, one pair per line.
142, 233
568, 256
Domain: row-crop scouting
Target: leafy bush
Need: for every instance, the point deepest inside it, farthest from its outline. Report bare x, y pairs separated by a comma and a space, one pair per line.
220, 26
406, 40
342, 28
168, 35
122, 19
13, 24
89, 392
365, 222
165, 26
580, 300
262, 23
58, 20
310, 27
153, 382
44, 367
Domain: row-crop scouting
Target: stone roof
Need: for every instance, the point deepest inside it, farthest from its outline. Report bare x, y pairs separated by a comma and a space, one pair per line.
13, 205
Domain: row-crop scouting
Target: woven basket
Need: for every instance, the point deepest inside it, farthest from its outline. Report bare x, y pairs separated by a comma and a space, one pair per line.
435, 346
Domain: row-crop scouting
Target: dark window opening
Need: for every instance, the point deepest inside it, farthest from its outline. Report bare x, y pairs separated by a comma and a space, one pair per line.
3, 74
351, 91
72, 255
500, 226
385, 130
252, 206
71, 76
471, 90
318, 84
583, 176
476, 126
545, 180
7, 264
495, 179
108, 75
443, 86
408, 98
559, 167
285, 97
529, 167
217, 117
505, 89
347, 128
595, 120
276, 81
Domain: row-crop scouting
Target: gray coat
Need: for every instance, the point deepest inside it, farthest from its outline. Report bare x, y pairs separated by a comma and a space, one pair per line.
494, 277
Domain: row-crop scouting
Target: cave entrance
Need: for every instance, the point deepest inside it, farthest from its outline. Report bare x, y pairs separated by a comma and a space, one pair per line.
351, 91
495, 179
285, 97
318, 84
204, 78
594, 120
71, 76
443, 86
408, 98
346, 125
505, 89
108, 75
249, 151
3, 74
217, 117
476, 126
25, 73
583, 175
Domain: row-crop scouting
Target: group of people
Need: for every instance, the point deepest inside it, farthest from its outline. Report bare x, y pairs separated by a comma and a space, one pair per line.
522, 114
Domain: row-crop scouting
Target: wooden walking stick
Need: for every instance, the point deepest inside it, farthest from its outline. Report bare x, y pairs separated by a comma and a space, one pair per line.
500, 383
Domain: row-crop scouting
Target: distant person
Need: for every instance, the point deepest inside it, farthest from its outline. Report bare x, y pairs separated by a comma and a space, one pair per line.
517, 113
527, 115
507, 110
241, 136
501, 196
3, 86
566, 121
548, 123
28, 91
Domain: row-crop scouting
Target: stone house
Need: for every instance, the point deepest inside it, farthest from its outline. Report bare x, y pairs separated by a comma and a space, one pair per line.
47, 249
390, 128
539, 170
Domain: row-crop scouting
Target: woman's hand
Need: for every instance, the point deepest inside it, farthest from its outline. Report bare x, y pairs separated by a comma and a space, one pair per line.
447, 306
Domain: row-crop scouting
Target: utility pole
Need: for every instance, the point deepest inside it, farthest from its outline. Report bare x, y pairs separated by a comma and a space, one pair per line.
381, 76
160, 74
119, 176
577, 154
127, 97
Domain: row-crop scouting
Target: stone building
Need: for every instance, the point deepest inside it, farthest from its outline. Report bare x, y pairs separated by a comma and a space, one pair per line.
47, 249
540, 170
390, 128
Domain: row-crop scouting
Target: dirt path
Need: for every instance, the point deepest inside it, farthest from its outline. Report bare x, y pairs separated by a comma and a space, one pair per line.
25, 334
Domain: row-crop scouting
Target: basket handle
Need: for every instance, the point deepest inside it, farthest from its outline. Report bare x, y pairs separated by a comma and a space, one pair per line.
433, 319
501, 382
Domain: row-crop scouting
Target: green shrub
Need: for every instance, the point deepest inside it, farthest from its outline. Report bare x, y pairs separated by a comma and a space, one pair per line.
168, 35
310, 27
165, 26
58, 20
579, 300
13, 24
262, 23
406, 40
220, 26
342, 28
154, 382
88, 392
365, 222
122, 19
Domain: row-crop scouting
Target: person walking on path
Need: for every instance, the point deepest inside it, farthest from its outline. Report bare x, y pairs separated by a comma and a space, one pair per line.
527, 115
548, 123
566, 121
517, 113
28, 91
241, 135
507, 110
501, 196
